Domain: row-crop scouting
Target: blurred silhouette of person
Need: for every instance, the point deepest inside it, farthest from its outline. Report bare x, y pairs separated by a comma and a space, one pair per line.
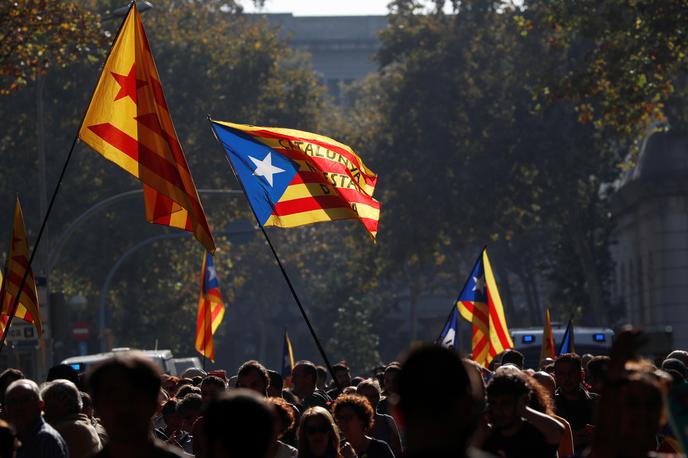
239, 424
125, 390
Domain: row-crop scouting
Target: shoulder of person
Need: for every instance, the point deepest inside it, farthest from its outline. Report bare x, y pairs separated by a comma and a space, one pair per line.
162, 450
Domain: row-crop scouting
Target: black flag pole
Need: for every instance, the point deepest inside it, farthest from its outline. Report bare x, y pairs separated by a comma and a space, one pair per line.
282, 269
15, 303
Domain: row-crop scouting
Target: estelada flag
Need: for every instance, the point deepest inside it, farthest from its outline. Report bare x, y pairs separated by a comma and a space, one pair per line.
567, 341
17, 264
211, 309
479, 303
287, 359
129, 123
292, 178
547, 350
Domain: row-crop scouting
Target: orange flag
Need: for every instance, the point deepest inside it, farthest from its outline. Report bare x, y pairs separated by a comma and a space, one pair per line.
129, 123
547, 350
17, 263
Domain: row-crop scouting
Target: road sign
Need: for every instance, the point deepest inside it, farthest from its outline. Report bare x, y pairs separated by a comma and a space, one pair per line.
21, 332
81, 331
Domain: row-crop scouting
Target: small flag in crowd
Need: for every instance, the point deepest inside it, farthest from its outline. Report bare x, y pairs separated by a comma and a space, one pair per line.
567, 344
479, 303
129, 123
547, 350
211, 309
287, 359
292, 178
449, 336
17, 263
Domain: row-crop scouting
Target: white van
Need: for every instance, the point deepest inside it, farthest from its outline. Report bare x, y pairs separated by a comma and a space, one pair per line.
162, 358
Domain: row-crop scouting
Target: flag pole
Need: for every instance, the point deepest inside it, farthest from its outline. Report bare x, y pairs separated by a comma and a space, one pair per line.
282, 269
15, 303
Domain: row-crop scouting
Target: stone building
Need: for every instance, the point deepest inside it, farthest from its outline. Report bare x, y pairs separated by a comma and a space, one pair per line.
650, 240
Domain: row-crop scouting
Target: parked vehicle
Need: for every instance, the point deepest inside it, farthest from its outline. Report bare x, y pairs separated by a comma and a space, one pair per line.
162, 358
182, 364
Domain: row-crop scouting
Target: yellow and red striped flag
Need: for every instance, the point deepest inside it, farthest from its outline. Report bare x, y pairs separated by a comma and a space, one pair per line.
547, 350
17, 264
129, 123
479, 303
211, 309
292, 178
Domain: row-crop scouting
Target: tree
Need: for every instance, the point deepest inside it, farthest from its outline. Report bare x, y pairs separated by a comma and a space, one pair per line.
36, 35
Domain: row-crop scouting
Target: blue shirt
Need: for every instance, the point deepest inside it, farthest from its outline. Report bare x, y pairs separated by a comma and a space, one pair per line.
43, 441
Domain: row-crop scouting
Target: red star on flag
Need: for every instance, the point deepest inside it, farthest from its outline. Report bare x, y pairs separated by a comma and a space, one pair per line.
128, 84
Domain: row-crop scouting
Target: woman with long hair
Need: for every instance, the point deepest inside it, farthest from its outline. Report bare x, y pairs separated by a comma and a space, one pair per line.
318, 436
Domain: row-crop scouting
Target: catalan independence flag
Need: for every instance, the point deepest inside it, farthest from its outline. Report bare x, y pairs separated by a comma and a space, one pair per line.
211, 309
287, 359
547, 350
292, 178
129, 123
479, 303
567, 341
17, 263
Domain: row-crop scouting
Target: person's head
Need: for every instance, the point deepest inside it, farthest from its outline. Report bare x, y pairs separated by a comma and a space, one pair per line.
171, 416
585, 359
514, 357
276, 384
61, 399
677, 365
342, 375
239, 423
86, 404
23, 404
370, 389
186, 389
546, 381
597, 370
508, 394
303, 378
169, 383
391, 378
322, 377
568, 373
192, 372
190, 408
354, 415
435, 401
211, 387
285, 417
125, 391
6, 377
541, 399
253, 376
681, 355
317, 435
63, 371
546, 362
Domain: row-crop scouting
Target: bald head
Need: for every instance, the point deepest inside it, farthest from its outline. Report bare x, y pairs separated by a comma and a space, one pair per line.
23, 404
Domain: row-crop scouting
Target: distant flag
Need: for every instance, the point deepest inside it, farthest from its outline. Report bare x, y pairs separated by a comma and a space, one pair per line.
17, 263
567, 344
449, 336
287, 359
479, 303
211, 309
129, 123
292, 178
547, 350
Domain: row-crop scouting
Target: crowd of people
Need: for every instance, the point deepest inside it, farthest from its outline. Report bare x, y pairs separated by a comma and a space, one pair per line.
434, 404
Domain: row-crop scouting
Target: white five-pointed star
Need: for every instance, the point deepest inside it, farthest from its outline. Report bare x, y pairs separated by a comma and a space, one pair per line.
479, 284
211, 273
265, 168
